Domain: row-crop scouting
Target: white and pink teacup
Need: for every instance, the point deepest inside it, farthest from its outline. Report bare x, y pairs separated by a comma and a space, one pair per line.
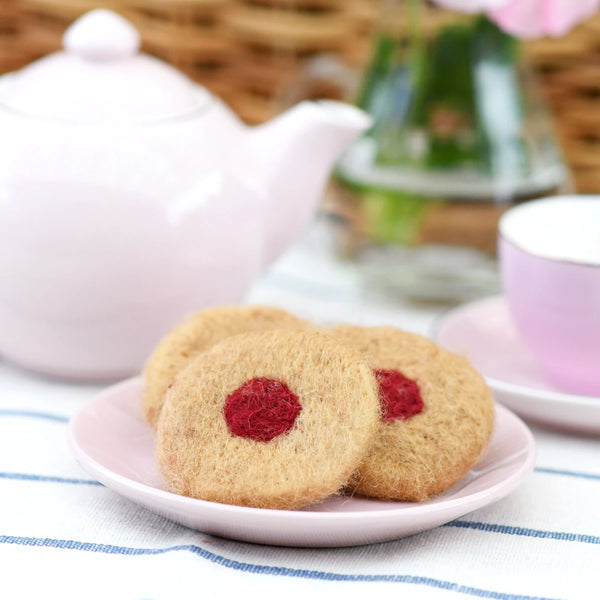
549, 253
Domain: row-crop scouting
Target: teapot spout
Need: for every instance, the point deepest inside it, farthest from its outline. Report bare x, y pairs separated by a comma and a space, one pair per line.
293, 156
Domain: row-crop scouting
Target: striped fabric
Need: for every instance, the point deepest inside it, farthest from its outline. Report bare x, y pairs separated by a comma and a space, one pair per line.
64, 535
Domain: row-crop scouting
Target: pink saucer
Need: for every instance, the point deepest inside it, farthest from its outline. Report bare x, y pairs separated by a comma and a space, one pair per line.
483, 331
111, 441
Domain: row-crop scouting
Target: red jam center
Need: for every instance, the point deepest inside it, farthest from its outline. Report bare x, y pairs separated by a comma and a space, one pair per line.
261, 409
399, 396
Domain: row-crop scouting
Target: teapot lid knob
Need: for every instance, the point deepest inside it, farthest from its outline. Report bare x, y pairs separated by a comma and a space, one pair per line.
102, 35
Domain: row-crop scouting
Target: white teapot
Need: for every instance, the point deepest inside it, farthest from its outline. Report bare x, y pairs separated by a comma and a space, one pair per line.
130, 197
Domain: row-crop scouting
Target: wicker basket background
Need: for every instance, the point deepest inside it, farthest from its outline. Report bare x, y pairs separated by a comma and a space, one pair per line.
248, 51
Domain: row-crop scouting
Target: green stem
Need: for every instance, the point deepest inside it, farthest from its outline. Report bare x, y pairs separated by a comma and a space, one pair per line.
453, 102
499, 102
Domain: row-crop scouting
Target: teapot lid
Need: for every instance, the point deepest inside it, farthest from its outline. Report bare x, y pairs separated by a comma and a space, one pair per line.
101, 75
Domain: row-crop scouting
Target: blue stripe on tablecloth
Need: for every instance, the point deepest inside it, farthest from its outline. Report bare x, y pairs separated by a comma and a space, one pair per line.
526, 531
32, 414
264, 569
567, 473
563, 536
487, 527
47, 478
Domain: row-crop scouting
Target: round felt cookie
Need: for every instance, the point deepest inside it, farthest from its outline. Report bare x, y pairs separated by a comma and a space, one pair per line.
276, 419
198, 333
437, 414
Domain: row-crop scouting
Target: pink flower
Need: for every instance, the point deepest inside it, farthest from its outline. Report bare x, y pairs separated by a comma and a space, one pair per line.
529, 18
537, 18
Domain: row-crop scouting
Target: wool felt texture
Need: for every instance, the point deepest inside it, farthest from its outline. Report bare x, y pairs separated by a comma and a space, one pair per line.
399, 396
198, 333
419, 457
199, 456
261, 409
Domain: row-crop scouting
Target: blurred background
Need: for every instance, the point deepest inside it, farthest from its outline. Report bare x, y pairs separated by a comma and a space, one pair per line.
468, 119
250, 51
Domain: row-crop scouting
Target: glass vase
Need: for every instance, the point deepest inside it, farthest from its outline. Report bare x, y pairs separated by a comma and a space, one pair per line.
460, 134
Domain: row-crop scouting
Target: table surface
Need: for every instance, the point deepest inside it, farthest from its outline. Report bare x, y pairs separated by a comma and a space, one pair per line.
63, 535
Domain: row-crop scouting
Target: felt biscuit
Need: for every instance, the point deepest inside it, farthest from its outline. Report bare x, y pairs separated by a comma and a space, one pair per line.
437, 415
198, 333
277, 419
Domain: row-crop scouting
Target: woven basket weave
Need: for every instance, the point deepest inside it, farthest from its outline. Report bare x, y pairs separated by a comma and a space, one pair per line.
248, 51
11, 49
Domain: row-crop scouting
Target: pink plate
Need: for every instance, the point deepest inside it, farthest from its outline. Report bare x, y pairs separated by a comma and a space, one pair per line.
111, 441
483, 331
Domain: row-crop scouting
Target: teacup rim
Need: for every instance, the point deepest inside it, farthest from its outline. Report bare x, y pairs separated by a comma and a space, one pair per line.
503, 235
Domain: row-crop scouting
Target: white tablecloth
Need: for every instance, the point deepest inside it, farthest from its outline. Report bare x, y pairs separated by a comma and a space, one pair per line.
62, 535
